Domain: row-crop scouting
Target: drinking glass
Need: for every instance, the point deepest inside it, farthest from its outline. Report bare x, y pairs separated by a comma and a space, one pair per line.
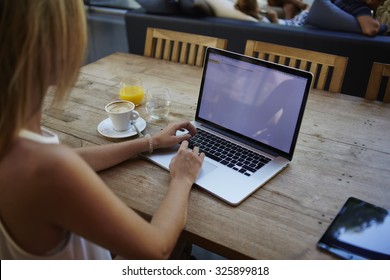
131, 89
158, 102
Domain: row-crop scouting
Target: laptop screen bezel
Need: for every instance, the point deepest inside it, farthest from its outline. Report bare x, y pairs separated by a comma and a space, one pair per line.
246, 140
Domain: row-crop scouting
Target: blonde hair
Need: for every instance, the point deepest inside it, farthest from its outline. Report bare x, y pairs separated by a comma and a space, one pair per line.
42, 44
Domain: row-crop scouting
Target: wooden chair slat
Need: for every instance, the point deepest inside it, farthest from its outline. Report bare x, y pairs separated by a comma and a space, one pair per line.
338, 63
179, 46
378, 72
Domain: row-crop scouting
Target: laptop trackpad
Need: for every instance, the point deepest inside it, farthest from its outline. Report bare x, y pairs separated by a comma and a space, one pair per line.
206, 169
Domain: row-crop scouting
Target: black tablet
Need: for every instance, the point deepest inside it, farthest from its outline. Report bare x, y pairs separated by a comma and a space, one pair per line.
359, 231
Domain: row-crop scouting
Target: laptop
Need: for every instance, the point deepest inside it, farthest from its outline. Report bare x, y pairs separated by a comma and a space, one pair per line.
255, 108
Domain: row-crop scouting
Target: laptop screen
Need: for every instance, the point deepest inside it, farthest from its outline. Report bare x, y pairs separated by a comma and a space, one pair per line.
257, 100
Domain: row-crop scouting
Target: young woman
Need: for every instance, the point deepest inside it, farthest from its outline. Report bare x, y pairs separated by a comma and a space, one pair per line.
53, 205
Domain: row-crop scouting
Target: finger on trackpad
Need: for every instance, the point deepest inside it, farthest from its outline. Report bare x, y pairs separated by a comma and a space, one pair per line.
206, 168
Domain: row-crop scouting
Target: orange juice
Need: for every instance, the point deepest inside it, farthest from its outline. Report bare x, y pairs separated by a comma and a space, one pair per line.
134, 94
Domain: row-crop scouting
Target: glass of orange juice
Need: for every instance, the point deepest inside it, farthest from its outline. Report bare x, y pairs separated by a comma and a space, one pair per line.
131, 89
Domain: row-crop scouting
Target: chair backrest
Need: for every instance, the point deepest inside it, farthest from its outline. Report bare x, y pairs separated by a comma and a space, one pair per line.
328, 70
379, 73
179, 47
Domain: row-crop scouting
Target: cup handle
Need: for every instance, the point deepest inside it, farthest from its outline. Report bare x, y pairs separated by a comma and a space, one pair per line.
133, 116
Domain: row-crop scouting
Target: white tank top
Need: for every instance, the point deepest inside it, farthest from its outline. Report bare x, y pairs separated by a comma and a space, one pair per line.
74, 247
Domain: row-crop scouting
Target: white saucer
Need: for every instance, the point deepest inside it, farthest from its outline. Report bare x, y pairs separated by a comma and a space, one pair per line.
105, 128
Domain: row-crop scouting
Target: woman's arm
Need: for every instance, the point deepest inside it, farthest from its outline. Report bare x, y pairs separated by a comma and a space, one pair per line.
82, 204
105, 156
184, 170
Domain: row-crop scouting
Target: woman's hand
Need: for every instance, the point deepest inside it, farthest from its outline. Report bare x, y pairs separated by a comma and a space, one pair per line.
186, 164
167, 137
368, 25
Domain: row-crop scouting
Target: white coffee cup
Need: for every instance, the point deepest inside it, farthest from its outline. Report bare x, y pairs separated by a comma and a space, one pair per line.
121, 114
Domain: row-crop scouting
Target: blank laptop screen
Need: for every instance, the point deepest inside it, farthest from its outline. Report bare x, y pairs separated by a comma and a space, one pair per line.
253, 100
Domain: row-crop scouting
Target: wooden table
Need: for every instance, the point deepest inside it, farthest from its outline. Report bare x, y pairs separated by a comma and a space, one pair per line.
343, 150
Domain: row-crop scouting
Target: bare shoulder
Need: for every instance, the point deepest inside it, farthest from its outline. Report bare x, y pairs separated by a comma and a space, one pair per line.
46, 190
63, 168
54, 185
39, 171
59, 160
53, 165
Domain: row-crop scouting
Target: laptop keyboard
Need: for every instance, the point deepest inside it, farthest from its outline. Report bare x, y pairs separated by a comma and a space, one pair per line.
227, 153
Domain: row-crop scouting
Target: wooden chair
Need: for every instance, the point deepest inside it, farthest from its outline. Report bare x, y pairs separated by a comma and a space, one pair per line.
179, 47
328, 70
379, 72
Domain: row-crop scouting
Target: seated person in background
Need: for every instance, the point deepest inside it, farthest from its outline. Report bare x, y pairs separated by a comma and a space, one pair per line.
362, 11
251, 8
290, 7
